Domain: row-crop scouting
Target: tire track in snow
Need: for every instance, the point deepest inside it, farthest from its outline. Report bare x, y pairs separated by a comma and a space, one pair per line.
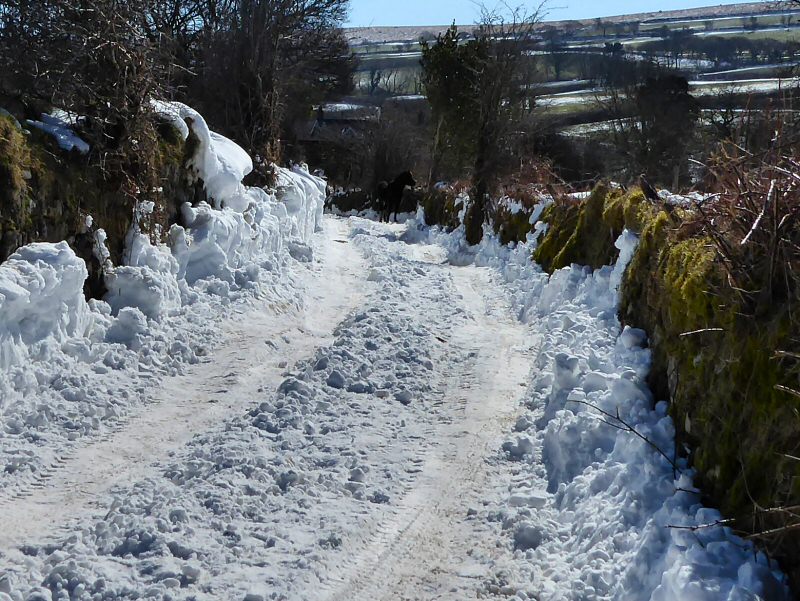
259, 346
428, 548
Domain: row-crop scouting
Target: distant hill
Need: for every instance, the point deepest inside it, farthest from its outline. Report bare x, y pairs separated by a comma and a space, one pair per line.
357, 35
387, 34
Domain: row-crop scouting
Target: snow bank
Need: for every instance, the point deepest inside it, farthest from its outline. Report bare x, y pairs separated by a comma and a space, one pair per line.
597, 511
41, 301
68, 366
229, 242
218, 161
295, 186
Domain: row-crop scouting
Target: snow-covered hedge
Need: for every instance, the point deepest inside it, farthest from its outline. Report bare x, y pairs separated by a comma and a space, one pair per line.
224, 246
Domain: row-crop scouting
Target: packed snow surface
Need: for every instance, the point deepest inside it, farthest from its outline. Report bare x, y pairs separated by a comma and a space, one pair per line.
277, 405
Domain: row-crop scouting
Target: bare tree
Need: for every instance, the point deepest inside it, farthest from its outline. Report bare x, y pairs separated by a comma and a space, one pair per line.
373, 81
250, 63
94, 58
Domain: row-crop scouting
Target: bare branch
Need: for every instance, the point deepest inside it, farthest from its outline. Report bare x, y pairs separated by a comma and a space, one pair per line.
621, 424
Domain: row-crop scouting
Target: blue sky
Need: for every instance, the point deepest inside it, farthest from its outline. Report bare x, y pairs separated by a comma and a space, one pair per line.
365, 13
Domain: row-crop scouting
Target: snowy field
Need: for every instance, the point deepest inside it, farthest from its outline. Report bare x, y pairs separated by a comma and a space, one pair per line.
281, 405
700, 88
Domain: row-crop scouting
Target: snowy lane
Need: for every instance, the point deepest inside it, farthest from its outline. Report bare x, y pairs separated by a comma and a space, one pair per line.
259, 345
380, 441
430, 547
429, 443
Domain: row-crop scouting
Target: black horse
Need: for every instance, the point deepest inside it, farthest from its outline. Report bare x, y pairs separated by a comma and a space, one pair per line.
390, 195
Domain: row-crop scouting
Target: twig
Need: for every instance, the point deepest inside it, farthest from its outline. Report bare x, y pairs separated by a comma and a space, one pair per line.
626, 427
774, 531
767, 203
790, 509
703, 526
788, 390
702, 331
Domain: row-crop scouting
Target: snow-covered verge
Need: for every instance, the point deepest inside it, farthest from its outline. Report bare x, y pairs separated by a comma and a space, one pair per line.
71, 369
600, 506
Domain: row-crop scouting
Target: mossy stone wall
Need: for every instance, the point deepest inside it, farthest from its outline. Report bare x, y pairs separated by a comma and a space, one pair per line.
46, 193
715, 363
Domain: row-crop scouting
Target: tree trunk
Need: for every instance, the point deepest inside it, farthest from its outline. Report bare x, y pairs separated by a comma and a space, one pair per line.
436, 154
476, 215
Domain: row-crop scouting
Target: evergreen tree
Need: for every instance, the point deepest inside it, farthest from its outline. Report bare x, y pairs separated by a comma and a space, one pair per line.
451, 77
478, 90
667, 114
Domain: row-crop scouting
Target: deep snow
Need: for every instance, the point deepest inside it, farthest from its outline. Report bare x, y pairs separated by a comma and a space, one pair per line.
290, 495
596, 512
72, 370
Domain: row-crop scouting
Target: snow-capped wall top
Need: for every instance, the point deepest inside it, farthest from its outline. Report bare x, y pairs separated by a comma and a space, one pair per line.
219, 162
60, 129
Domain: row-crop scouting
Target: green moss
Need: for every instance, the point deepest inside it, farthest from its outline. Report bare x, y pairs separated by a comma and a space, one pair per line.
687, 279
45, 192
583, 232
631, 210
712, 360
561, 218
592, 241
15, 166
172, 151
513, 227
169, 135
442, 208
717, 366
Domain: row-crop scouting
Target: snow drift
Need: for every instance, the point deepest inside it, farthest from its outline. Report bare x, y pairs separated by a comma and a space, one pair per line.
69, 367
41, 300
230, 242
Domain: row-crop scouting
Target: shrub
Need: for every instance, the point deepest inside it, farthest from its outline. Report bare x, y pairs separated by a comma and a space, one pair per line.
443, 204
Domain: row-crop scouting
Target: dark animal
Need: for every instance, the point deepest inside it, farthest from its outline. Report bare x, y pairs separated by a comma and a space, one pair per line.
391, 194
649, 191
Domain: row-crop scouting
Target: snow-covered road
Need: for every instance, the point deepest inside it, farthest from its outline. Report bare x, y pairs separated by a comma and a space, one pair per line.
257, 347
428, 547
395, 388
409, 429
